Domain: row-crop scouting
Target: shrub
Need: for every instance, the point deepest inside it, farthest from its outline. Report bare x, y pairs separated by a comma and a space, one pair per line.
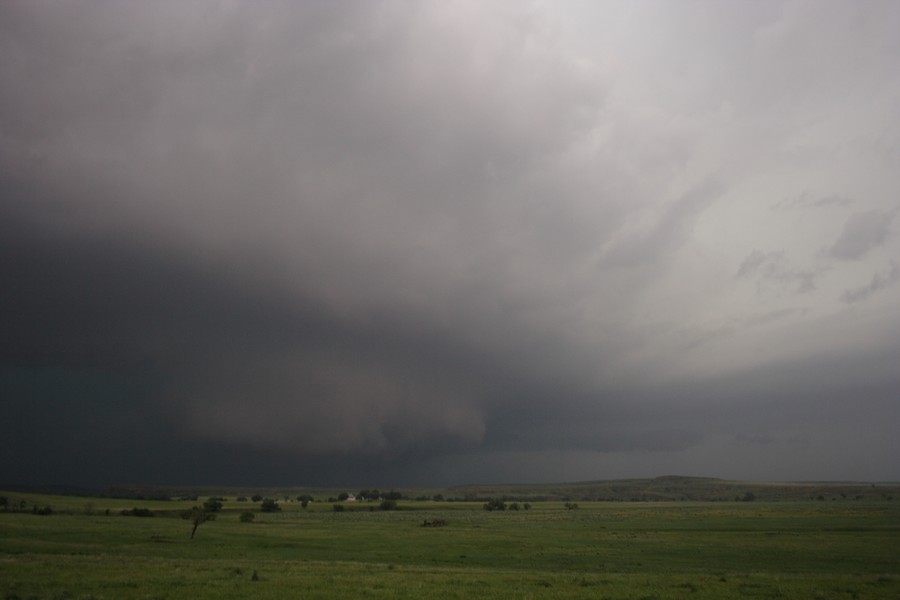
338, 507
247, 516
269, 505
494, 504
388, 505
138, 512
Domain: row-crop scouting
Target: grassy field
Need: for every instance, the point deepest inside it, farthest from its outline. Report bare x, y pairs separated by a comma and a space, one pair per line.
836, 549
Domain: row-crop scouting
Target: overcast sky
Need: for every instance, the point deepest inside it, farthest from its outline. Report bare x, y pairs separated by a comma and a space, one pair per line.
405, 243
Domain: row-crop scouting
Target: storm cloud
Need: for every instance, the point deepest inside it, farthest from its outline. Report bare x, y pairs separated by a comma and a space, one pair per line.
393, 243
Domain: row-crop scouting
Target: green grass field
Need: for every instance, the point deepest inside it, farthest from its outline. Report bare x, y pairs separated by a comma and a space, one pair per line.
838, 549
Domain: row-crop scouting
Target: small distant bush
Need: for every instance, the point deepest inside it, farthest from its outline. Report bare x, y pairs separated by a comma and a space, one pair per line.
338, 507
242, 498
571, 505
247, 516
527, 506
256, 498
494, 504
43, 510
137, 512
513, 506
388, 505
269, 505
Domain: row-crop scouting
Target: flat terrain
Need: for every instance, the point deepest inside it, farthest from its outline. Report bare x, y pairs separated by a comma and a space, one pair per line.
842, 548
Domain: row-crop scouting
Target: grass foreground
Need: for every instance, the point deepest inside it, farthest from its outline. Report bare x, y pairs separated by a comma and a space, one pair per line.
622, 550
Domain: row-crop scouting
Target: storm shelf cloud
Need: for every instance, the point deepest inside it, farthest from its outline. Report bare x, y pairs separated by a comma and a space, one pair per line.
391, 243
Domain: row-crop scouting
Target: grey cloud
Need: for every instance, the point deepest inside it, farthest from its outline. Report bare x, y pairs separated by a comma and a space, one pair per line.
808, 200
773, 269
774, 316
862, 232
762, 439
756, 260
669, 229
879, 281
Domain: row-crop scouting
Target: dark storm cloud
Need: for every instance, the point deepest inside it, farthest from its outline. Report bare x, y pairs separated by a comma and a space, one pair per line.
324, 242
288, 225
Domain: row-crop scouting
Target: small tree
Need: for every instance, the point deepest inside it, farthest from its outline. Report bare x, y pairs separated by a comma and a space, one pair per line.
213, 504
269, 505
197, 516
247, 517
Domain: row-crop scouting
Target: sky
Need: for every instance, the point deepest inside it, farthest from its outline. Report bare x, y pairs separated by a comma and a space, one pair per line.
435, 243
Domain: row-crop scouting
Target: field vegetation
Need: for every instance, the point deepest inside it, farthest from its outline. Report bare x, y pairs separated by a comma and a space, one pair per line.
72, 547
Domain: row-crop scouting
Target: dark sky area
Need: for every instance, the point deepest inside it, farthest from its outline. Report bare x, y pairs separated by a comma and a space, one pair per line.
433, 243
